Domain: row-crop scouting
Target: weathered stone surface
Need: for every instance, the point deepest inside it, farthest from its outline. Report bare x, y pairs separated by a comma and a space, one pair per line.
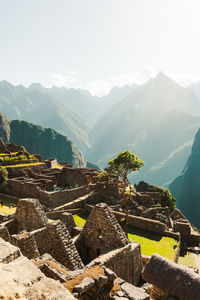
84, 286
172, 278
51, 268
30, 215
27, 244
8, 252
4, 233
125, 262
20, 279
134, 293
68, 220
56, 240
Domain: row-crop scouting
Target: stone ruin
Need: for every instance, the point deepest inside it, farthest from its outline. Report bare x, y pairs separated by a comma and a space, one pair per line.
97, 263
101, 233
51, 248
97, 259
6, 148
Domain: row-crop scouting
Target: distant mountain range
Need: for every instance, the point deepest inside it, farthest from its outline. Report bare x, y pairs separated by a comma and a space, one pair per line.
71, 112
157, 121
36, 139
186, 188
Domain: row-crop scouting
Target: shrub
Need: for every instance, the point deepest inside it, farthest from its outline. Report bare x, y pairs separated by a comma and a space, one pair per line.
32, 157
166, 198
6, 158
103, 176
3, 175
1, 160
22, 157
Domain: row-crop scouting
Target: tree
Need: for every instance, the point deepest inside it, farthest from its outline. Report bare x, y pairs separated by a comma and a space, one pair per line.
124, 164
3, 175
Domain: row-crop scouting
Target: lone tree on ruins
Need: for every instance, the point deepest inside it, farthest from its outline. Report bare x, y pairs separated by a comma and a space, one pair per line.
124, 164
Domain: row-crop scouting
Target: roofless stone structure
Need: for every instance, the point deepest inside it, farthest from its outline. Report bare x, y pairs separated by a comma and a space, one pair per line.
101, 233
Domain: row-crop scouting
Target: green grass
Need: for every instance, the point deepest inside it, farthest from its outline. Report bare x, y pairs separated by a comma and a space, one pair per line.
187, 260
58, 167
80, 219
6, 207
24, 165
152, 242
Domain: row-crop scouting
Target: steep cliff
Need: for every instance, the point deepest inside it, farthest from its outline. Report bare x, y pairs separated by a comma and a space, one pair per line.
186, 187
37, 139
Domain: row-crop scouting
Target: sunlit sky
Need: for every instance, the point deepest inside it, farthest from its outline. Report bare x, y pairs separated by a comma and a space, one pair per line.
96, 44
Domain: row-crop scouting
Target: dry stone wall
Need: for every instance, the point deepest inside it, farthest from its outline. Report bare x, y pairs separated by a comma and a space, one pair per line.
27, 244
143, 223
126, 262
56, 240
100, 234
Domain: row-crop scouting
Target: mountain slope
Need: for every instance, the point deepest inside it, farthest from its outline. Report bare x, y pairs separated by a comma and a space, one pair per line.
17, 102
151, 122
186, 188
37, 139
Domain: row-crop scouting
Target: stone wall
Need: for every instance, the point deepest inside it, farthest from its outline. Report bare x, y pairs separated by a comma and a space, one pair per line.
143, 223
51, 163
71, 177
55, 240
23, 188
100, 234
58, 198
4, 233
26, 243
126, 262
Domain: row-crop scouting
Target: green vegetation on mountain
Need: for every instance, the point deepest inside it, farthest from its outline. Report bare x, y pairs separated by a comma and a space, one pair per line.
46, 142
39, 107
186, 187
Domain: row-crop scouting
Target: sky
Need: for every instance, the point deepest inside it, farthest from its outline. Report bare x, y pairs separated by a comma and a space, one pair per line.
97, 44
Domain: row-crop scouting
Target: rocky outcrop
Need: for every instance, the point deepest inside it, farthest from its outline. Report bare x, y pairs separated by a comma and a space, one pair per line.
186, 189
37, 139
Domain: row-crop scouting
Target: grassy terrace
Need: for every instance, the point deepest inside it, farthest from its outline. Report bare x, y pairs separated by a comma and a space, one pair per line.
6, 154
150, 242
24, 165
7, 206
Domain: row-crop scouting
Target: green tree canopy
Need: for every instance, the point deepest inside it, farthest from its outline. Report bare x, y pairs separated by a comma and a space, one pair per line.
125, 163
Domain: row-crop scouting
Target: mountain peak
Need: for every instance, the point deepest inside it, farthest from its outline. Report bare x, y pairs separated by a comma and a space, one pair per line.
35, 86
162, 80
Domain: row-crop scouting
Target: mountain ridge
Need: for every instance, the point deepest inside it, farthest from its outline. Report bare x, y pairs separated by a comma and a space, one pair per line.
37, 139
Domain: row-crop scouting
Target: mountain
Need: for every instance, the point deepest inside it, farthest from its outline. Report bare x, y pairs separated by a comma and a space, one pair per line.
195, 87
71, 112
36, 139
81, 102
35, 106
157, 121
186, 188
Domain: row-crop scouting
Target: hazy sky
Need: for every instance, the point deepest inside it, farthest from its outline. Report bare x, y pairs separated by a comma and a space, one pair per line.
97, 43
